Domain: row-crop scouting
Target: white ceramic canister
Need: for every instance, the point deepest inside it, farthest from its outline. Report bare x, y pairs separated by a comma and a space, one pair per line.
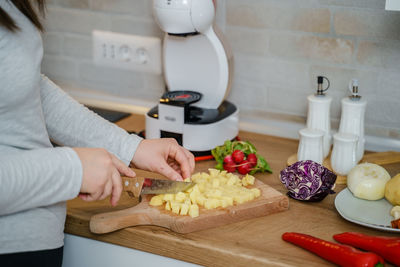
352, 117
343, 157
318, 116
311, 145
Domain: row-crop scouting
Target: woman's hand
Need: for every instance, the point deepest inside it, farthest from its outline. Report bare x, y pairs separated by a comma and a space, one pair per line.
101, 174
164, 156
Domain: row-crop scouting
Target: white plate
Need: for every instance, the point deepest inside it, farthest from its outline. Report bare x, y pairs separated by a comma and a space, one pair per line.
369, 213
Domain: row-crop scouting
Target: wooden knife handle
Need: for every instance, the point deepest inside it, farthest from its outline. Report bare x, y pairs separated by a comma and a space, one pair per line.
133, 185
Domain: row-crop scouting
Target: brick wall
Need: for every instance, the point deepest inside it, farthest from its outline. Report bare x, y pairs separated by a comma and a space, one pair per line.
280, 46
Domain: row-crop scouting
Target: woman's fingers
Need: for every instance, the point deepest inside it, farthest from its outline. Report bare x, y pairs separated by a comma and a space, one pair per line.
190, 158
93, 196
101, 174
177, 153
107, 190
121, 167
166, 170
164, 156
174, 165
116, 188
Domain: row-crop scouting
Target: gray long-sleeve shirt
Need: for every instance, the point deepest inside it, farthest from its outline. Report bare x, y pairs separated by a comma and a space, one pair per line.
35, 178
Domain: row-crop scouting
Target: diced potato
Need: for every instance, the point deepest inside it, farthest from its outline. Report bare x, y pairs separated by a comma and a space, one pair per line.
188, 180
196, 176
256, 192
194, 210
224, 203
196, 188
169, 197
184, 209
215, 194
250, 196
240, 198
205, 175
231, 180
248, 180
189, 190
212, 203
215, 182
222, 181
212, 190
193, 197
156, 200
201, 199
176, 207
234, 180
180, 197
187, 201
214, 172
202, 187
228, 200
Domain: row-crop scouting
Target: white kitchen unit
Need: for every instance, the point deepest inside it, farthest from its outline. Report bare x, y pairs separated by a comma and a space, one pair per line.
84, 252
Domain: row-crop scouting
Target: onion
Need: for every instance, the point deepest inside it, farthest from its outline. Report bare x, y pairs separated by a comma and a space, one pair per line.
368, 181
308, 180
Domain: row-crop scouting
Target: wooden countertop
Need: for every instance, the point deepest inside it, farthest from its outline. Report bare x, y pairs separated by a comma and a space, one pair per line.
252, 242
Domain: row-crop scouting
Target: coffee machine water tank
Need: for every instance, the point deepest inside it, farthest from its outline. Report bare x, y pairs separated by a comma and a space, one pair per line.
184, 16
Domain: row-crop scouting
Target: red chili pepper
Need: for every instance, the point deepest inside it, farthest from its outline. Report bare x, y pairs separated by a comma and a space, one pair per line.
342, 255
387, 247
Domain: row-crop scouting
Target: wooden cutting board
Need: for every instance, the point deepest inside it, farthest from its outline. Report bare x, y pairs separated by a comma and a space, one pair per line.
270, 201
388, 159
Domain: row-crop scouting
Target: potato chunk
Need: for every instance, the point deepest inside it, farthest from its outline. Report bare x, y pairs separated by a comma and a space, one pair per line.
184, 209
194, 210
216, 189
180, 197
175, 207
157, 200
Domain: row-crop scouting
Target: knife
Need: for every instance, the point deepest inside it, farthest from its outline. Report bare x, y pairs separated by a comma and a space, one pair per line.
142, 186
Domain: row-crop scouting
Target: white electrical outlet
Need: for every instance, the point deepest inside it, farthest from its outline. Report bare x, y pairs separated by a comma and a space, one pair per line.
132, 52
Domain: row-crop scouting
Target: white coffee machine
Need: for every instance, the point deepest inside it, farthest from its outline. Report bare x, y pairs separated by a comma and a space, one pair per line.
198, 69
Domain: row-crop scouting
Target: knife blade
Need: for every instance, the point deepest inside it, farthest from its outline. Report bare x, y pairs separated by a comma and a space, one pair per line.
141, 186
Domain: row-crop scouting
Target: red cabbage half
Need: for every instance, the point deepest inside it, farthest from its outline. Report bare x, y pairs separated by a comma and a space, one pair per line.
308, 180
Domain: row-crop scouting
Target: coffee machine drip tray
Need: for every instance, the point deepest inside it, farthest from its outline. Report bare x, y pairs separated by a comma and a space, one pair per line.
198, 115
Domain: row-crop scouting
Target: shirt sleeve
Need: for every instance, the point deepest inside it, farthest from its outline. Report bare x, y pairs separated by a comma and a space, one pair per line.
45, 176
71, 124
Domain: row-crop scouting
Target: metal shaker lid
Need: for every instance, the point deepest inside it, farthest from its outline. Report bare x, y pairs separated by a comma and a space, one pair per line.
353, 88
320, 90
